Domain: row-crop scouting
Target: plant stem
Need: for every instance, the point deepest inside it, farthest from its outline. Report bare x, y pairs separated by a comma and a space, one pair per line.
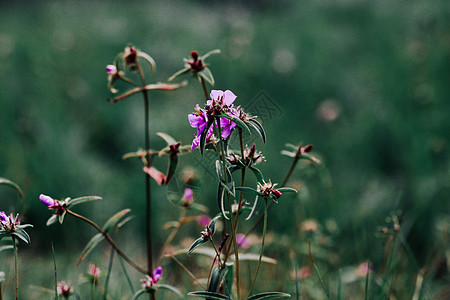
109, 240
148, 223
233, 227
56, 273
262, 247
205, 91
16, 265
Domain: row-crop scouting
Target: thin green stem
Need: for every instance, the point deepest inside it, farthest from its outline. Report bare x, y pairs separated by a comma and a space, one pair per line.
233, 227
56, 273
366, 287
262, 247
108, 275
109, 240
130, 284
322, 282
16, 265
205, 91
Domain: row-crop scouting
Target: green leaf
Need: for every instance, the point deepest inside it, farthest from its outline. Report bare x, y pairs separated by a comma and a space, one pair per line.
206, 55
203, 136
173, 162
207, 75
6, 247
196, 243
229, 187
80, 200
220, 200
167, 138
147, 58
236, 120
23, 235
170, 288
289, 153
216, 278
259, 128
311, 158
61, 217
115, 219
209, 295
179, 73
248, 190
259, 176
93, 242
138, 293
52, 220
212, 225
287, 190
269, 295
13, 185
255, 205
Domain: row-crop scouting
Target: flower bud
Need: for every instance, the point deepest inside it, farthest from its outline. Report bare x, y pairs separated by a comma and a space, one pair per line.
111, 69
47, 200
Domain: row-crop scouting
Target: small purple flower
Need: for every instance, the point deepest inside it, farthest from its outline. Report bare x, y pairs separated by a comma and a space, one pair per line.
149, 281
3, 216
47, 200
111, 70
242, 241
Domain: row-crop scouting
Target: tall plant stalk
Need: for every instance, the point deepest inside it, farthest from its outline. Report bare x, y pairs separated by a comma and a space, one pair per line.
16, 265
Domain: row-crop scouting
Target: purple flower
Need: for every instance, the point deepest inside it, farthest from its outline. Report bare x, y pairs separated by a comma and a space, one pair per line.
242, 241
149, 281
221, 103
47, 200
3, 216
111, 70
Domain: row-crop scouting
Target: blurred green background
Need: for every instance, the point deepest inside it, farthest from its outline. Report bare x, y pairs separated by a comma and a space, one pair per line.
366, 82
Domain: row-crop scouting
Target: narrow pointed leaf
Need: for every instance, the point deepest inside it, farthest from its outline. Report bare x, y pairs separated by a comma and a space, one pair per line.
258, 174
216, 278
93, 242
289, 153
169, 140
149, 59
255, 205
287, 190
79, 200
173, 162
248, 190
259, 128
219, 171
52, 220
13, 185
203, 136
212, 225
179, 73
196, 243
6, 247
23, 235
207, 75
170, 288
269, 295
220, 200
115, 219
206, 55
229, 187
311, 158
236, 120
138, 293
209, 295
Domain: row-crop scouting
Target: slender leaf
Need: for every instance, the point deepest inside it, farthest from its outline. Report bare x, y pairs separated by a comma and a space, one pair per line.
76, 201
179, 73
170, 288
258, 174
212, 225
138, 293
287, 190
196, 243
52, 220
173, 162
115, 219
206, 55
255, 205
289, 153
203, 136
216, 278
220, 200
248, 190
259, 128
93, 242
6, 247
23, 235
236, 120
269, 295
210, 295
207, 75
13, 185
229, 278
167, 138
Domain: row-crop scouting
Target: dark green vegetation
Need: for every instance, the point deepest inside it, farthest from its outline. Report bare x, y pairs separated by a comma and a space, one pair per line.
381, 67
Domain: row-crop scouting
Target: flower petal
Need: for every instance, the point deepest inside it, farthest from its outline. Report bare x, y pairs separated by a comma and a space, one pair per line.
216, 94
47, 200
229, 97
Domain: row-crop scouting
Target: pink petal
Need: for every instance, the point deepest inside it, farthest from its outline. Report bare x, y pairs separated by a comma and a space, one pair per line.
229, 97
216, 94
155, 174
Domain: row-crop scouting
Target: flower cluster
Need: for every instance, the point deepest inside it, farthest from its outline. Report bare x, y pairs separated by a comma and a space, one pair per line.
149, 281
9, 223
268, 189
251, 157
64, 289
221, 103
